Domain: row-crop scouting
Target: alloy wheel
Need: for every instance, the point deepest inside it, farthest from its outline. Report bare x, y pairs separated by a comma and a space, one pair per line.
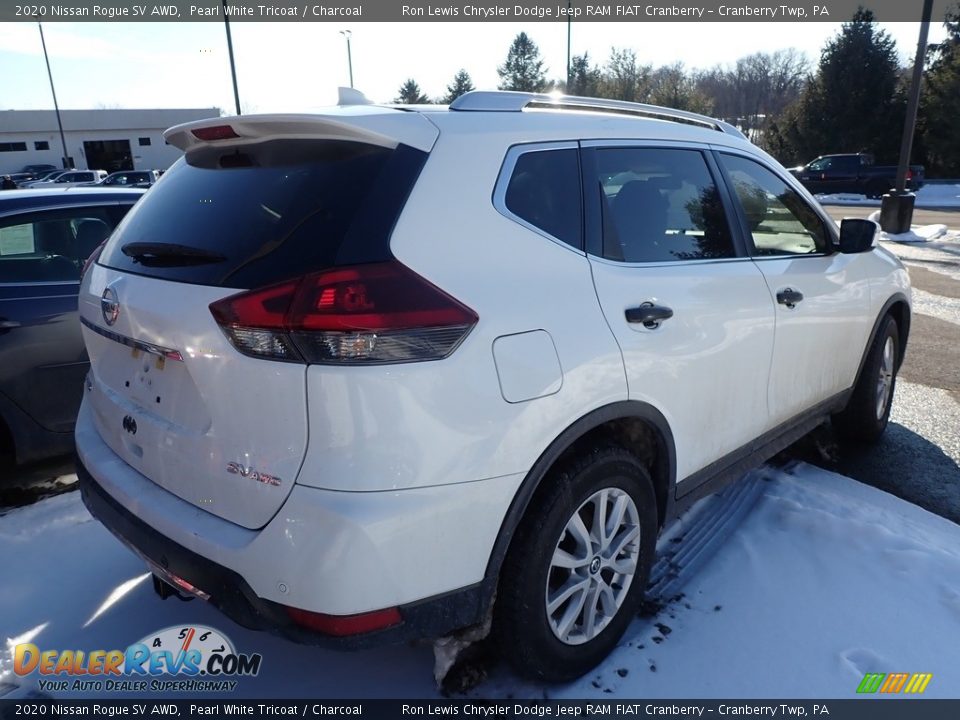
593, 565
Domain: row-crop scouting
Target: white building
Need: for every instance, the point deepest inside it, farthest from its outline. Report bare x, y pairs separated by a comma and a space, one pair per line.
96, 139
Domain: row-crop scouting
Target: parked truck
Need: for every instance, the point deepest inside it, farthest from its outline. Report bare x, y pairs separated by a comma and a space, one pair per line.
853, 173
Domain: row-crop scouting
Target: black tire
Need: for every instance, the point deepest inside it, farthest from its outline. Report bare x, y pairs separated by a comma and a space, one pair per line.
877, 189
863, 420
522, 628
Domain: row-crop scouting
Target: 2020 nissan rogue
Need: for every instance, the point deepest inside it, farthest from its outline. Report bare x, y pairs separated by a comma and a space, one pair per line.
382, 373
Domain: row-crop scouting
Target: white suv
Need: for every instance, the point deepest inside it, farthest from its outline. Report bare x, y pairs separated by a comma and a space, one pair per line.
383, 373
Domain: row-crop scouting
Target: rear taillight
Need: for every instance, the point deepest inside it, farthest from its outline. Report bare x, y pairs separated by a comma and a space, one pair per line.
909, 175
361, 315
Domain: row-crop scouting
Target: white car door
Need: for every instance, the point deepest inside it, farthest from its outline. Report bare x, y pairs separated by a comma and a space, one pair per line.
690, 310
822, 297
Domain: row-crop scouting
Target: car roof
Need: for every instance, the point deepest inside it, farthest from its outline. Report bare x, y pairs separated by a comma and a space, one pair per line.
525, 116
36, 198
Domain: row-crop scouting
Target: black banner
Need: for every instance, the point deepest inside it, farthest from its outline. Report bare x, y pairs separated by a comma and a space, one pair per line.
478, 11
874, 709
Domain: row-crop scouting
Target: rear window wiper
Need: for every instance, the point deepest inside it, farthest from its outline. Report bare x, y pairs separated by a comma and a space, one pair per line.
152, 254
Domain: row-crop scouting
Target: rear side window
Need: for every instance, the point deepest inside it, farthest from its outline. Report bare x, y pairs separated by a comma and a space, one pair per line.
544, 191
52, 245
260, 214
660, 205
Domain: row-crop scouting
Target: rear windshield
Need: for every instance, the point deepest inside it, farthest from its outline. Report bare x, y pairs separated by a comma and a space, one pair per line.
256, 215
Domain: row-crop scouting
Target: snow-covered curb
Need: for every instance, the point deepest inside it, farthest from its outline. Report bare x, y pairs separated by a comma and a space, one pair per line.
929, 196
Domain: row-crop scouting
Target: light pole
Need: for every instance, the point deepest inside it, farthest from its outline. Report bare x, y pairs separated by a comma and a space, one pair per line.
569, 32
56, 107
896, 210
347, 34
233, 67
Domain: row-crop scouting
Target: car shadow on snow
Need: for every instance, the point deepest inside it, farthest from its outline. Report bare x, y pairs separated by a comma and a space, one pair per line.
902, 463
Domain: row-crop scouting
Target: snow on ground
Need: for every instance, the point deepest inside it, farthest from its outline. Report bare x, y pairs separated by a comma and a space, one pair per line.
937, 306
929, 196
810, 581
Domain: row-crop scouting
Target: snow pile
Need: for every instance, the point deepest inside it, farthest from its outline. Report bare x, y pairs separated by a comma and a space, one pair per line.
917, 234
929, 196
822, 581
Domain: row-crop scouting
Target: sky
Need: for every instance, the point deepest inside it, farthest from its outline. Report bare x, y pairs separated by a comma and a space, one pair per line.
293, 67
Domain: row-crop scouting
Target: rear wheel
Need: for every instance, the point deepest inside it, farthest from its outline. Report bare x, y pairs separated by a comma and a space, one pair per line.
868, 411
578, 566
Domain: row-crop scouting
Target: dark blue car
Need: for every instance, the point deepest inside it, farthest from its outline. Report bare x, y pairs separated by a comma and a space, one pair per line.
45, 238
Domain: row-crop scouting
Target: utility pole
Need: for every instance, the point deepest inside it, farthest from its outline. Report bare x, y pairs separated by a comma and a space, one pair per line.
233, 66
56, 107
569, 33
896, 211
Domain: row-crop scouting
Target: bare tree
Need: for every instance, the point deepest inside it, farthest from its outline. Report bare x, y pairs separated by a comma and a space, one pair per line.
671, 86
625, 79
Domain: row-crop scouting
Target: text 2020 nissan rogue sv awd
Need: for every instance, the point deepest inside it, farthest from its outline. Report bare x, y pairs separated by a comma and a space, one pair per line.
382, 373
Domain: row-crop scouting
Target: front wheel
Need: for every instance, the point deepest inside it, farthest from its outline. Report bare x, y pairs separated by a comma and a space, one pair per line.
877, 190
577, 568
868, 411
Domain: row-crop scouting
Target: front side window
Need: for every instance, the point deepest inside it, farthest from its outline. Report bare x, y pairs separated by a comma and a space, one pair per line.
52, 245
544, 191
781, 222
660, 205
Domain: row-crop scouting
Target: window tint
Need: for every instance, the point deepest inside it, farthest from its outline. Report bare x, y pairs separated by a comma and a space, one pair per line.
846, 163
781, 222
268, 212
41, 145
660, 205
52, 245
544, 191
127, 178
144, 141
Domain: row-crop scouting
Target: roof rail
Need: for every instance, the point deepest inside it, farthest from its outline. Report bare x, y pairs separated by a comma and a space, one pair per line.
508, 101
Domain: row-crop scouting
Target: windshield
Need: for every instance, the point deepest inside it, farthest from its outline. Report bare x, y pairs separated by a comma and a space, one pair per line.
264, 213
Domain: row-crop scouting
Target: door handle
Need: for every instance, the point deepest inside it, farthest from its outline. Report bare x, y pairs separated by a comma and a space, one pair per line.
789, 297
649, 314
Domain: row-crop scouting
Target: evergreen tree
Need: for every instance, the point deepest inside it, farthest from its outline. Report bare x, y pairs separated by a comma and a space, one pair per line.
461, 84
584, 78
523, 69
854, 103
410, 94
940, 103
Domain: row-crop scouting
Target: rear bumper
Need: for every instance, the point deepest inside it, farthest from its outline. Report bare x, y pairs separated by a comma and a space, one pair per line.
423, 550
231, 594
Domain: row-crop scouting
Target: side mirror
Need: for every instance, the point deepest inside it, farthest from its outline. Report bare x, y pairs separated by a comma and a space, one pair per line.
857, 236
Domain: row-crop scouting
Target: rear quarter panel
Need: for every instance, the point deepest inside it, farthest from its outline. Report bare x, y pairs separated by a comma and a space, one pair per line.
442, 422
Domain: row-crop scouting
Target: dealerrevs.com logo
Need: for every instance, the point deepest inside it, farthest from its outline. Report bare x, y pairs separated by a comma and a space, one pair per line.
892, 683
191, 658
